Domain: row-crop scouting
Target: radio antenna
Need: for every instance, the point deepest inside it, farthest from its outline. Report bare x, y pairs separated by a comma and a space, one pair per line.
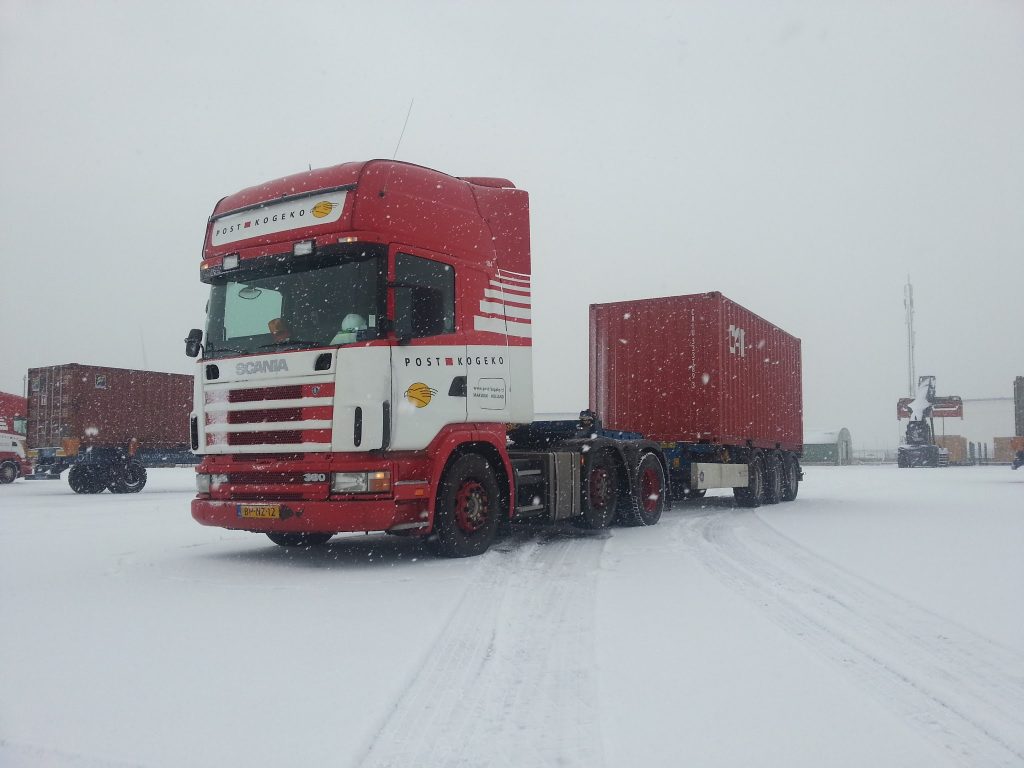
402, 134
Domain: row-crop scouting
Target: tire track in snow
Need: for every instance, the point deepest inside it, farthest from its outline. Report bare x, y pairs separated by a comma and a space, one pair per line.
953, 685
509, 680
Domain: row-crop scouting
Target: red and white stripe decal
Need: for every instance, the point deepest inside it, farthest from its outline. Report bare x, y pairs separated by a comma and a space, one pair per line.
505, 308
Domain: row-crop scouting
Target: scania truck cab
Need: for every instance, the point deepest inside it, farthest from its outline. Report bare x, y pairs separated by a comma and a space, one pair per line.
367, 341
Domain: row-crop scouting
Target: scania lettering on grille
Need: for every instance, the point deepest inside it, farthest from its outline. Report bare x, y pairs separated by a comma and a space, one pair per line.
261, 366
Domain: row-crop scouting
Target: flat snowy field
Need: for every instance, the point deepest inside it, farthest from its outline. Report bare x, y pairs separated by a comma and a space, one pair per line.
878, 620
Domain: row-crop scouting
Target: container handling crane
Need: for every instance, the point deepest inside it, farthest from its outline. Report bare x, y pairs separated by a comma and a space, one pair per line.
919, 448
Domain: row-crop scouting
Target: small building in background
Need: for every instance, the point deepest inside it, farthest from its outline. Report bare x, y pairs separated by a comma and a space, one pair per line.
827, 447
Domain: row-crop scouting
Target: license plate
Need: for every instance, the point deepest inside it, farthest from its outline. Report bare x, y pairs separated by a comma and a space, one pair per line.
260, 511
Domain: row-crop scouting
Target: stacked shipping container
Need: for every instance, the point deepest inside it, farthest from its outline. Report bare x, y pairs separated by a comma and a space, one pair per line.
80, 405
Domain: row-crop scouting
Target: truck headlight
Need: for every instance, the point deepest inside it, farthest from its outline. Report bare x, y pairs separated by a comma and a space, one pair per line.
361, 482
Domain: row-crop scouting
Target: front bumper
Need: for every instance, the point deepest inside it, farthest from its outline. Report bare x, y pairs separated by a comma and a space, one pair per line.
387, 514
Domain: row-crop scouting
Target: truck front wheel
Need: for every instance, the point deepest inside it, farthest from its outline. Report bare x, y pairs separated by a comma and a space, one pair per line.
8, 472
468, 509
299, 539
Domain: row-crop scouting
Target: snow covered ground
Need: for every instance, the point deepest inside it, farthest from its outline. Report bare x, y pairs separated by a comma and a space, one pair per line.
877, 620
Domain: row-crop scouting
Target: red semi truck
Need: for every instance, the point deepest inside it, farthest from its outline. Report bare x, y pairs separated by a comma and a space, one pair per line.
367, 366
13, 456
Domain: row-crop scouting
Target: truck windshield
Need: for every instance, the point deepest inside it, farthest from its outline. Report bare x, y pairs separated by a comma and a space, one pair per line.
278, 303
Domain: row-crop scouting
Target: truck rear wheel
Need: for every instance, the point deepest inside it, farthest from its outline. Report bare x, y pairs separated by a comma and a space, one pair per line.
790, 477
601, 491
300, 539
131, 478
753, 494
88, 478
469, 508
649, 497
8, 472
773, 478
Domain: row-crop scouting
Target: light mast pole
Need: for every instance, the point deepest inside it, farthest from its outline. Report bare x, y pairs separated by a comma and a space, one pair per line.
908, 304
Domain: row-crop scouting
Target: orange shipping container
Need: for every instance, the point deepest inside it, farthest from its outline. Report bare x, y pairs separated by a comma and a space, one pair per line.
956, 445
1006, 448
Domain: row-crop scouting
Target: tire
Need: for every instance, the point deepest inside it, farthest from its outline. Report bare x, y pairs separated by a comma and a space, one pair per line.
88, 478
298, 539
8, 472
773, 475
601, 493
790, 477
131, 478
753, 494
649, 498
468, 509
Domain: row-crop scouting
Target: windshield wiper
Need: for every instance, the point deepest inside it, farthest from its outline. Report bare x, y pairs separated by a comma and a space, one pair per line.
212, 349
301, 342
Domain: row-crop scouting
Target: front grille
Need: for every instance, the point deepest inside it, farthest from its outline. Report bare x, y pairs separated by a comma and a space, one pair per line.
261, 457
265, 438
267, 478
264, 415
265, 393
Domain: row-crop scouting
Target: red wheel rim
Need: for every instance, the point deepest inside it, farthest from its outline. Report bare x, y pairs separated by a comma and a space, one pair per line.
472, 509
600, 487
650, 488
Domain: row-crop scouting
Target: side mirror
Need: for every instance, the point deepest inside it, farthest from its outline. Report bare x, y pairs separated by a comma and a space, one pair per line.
194, 342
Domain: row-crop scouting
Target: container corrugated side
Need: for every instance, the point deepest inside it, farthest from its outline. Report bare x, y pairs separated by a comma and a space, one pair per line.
100, 405
696, 368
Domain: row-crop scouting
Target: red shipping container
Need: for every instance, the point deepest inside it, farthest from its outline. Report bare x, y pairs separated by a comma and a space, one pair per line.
695, 369
70, 405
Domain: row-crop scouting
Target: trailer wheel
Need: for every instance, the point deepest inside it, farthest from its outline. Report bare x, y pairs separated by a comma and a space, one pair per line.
773, 487
300, 539
649, 497
601, 491
128, 479
753, 494
8, 472
790, 477
88, 478
468, 508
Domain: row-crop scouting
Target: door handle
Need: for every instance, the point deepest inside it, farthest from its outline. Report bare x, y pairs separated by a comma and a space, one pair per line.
458, 387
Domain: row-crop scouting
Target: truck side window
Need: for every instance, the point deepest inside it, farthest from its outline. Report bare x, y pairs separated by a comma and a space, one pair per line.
425, 300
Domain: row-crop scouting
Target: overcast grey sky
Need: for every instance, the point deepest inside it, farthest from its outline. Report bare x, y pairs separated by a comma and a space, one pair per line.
800, 157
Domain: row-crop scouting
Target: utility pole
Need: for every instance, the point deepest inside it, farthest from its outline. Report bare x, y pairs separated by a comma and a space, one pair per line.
908, 304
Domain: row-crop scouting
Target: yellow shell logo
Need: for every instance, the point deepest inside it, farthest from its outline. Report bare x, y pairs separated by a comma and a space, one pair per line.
419, 394
323, 208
